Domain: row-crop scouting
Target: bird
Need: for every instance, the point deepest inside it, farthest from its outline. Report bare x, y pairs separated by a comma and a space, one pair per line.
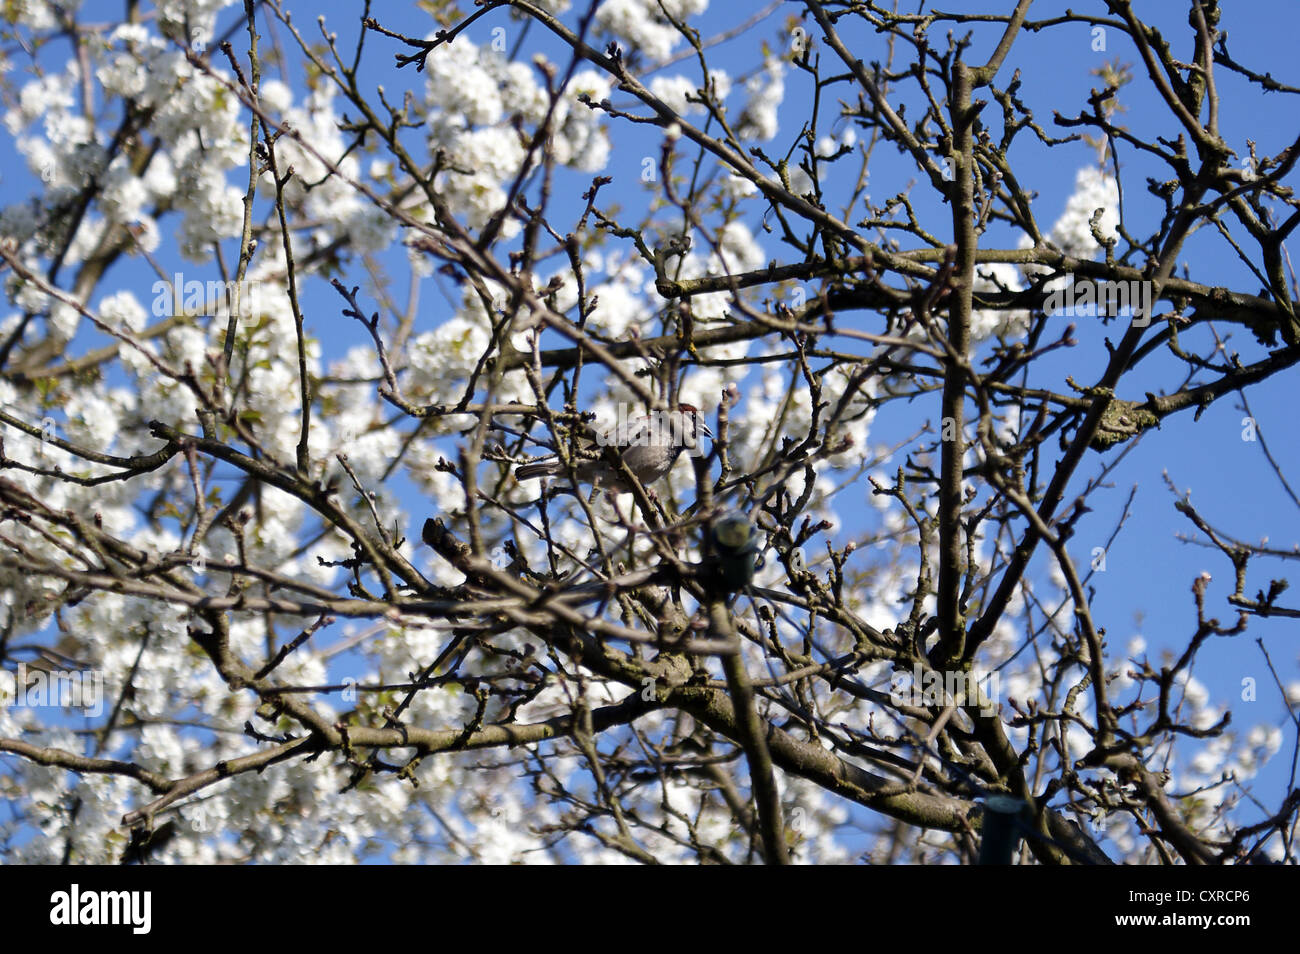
649, 445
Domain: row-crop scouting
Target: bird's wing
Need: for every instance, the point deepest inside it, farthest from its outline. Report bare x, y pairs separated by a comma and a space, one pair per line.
625, 433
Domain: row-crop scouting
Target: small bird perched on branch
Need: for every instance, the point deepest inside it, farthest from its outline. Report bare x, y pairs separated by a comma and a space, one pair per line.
649, 445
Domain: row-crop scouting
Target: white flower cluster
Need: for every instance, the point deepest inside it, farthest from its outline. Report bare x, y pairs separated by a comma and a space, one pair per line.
735, 251
991, 322
766, 91
323, 190
643, 25
677, 92
474, 95
1093, 189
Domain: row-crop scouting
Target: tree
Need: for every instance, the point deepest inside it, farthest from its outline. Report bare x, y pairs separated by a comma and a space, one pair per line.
266, 521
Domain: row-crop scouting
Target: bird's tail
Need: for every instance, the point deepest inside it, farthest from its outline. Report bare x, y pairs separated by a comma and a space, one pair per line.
538, 468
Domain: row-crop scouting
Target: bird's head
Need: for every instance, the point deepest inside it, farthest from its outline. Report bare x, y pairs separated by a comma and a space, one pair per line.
693, 424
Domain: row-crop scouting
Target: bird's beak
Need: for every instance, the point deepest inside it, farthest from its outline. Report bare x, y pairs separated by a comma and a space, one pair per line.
704, 427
